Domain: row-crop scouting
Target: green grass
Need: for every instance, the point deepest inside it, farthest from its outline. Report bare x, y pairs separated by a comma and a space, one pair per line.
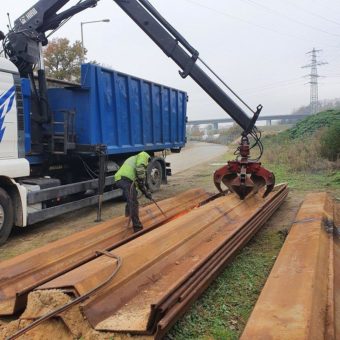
307, 154
223, 310
314, 123
275, 128
326, 180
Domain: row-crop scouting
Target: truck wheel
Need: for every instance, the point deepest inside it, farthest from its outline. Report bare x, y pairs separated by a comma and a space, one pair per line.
154, 176
6, 216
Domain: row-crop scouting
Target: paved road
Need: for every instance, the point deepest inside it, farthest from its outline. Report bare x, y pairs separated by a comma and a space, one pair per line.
194, 154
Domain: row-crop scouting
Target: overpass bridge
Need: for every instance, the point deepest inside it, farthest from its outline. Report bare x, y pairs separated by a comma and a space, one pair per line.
268, 119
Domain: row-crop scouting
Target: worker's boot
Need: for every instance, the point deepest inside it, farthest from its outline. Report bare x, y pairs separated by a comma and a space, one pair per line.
137, 228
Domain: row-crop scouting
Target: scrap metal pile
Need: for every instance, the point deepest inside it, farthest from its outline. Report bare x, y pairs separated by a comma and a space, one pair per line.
106, 281
20, 275
161, 270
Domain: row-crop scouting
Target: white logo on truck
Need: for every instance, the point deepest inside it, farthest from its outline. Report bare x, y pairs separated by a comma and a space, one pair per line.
6, 103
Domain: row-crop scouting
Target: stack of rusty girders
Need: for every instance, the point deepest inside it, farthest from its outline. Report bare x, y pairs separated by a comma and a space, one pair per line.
166, 312
165, 270
301, 298
20, 275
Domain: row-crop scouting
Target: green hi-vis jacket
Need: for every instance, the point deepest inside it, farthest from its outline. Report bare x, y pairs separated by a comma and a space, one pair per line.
134, 167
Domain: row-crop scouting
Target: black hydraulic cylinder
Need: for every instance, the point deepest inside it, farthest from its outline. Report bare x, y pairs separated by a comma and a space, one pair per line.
167, 38
33, 18
168, 26
22, 45
54, 21
43, 101
43, 15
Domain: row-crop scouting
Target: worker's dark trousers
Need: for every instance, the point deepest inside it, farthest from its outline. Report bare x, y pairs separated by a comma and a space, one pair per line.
132, 206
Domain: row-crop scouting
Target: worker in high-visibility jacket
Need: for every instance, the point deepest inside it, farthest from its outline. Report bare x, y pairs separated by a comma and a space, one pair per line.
129, 177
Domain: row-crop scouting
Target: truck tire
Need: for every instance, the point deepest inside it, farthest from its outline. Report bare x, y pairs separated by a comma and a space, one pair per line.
6, 216
154, 176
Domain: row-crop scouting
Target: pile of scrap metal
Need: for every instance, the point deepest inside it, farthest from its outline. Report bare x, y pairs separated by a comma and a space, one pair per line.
22, 274
301, 299
141, 284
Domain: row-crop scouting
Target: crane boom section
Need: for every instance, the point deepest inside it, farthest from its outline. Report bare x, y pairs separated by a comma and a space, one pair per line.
23, 44
181, 52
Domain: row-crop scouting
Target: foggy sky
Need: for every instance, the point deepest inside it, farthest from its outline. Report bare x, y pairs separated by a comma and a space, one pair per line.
256, 46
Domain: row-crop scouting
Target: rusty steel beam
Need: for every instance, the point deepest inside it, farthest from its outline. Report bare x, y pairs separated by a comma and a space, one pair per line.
20, 275
165, 270
300, 299
181, 305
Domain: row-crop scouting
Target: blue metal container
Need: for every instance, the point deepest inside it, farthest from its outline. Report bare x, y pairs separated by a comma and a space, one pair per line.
126, 113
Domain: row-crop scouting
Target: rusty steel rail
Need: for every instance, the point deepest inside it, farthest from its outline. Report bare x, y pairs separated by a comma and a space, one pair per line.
301, 298
181, 303
22, 274
165, 270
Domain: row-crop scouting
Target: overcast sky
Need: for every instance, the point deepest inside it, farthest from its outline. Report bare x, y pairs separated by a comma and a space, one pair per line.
256, 46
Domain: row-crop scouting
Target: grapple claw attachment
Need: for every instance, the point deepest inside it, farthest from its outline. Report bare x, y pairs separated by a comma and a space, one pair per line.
245, 176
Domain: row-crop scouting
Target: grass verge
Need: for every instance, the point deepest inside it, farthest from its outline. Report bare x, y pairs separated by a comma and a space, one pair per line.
324, 180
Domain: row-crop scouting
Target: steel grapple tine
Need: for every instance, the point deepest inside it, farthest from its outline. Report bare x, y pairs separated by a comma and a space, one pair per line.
263, 177
218, 185
219, 176
270, 186
252, 179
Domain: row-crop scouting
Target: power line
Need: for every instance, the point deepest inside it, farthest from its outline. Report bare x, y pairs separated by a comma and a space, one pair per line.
314, 76
334, 60
291, 19
271, 88
333, 76
313, 13
273, 85
321, 5
272, 30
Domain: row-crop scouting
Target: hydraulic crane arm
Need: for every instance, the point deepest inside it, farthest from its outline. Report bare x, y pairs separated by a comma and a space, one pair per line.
176, 47
43, 16
23, 42
23, 45
243, 175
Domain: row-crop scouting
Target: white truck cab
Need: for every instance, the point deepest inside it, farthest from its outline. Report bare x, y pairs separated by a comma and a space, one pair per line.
13, 165
10, 163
